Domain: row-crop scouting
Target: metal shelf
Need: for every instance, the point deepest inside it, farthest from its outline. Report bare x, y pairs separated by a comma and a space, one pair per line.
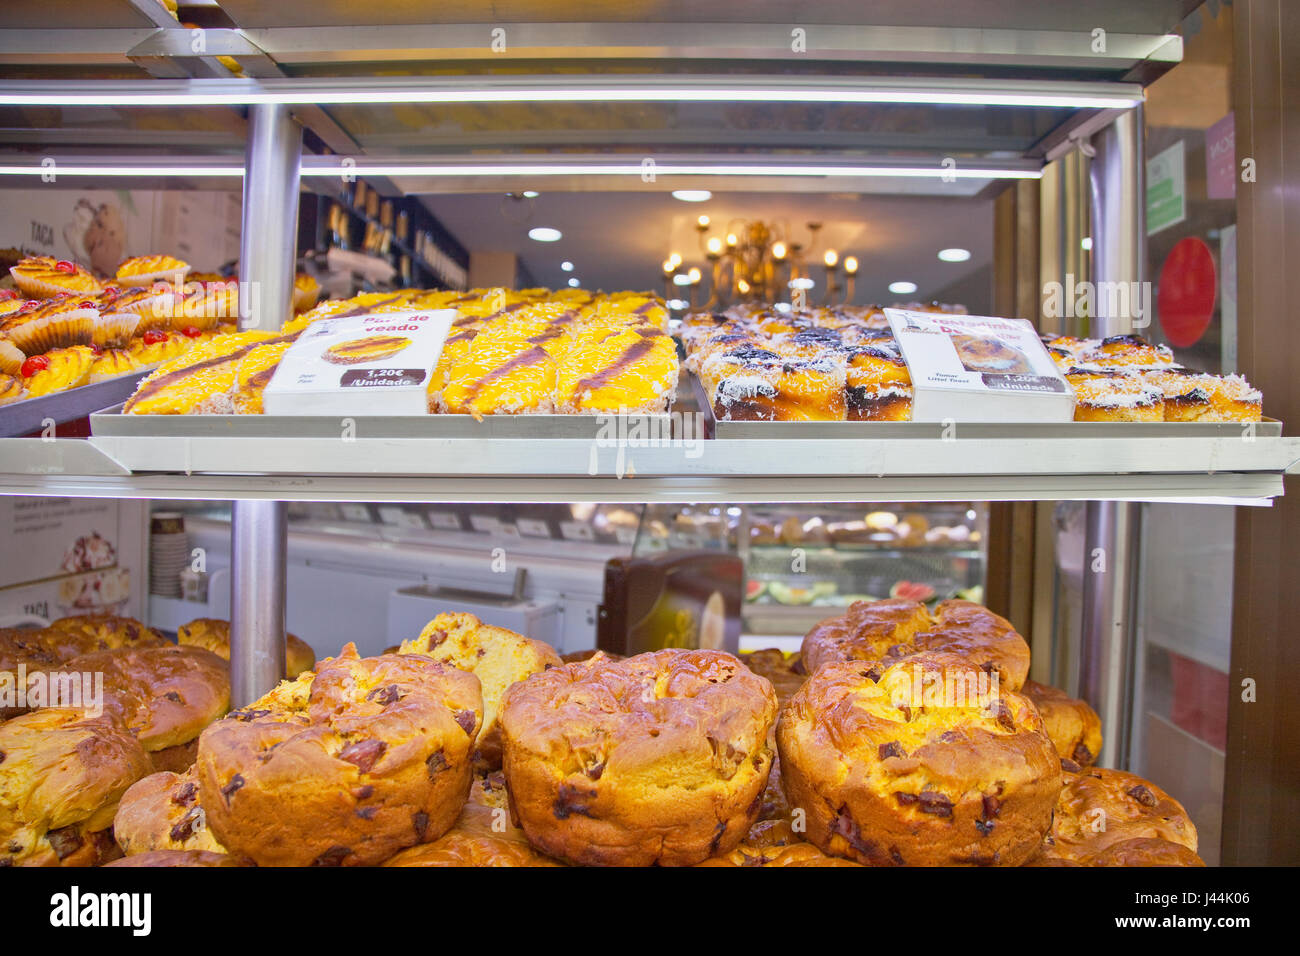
31, 414
725, 471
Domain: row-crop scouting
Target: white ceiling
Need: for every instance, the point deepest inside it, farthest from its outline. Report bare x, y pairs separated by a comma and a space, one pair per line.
619, 240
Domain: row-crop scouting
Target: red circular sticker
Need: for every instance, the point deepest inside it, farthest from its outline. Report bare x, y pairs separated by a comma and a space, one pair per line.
1185, 299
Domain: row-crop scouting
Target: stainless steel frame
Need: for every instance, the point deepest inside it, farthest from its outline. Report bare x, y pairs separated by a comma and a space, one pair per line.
1107, 634
267, 252
259, 551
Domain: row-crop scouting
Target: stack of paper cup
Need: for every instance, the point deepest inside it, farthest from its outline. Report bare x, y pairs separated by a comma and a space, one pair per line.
169, 553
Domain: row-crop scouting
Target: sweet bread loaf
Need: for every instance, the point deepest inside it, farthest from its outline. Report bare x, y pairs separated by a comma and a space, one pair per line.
365, 758
894, 629
177, 858
46, 648
1099, 808
163, 695
660, 758
795, 854
1074, 727
177, 758
1146, 851
103, 632
482, 836
785, 673
922, 763
162, 812
496, 656
61, 776
213, 634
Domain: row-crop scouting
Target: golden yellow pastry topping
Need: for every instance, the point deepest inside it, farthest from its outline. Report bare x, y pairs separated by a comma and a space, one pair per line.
144, 270
63, 369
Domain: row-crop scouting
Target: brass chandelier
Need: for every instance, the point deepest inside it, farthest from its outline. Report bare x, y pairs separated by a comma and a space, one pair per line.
757, 261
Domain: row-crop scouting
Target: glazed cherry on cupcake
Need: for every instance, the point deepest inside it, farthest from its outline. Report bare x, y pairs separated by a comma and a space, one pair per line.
37, 363
153, 337
63, 265
190, 332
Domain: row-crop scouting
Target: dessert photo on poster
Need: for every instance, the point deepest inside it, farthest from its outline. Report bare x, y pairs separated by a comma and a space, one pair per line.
670, 435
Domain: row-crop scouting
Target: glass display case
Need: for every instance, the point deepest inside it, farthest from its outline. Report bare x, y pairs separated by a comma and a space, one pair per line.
1162, 618
802, 562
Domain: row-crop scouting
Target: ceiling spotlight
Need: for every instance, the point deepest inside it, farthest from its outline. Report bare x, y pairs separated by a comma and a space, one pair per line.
545, 234
692, 195
678, 304
778, 251
714, 245
831, 258
675, 259
732, 240
531, 194
954, 255
681, 279
702, 222
566, 265
802, 283
574, 283
850, 265
1086, 242
669, 266
742, 285
902, 287
693, 275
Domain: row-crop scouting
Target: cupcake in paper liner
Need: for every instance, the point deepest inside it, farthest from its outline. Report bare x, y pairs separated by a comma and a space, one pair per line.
114, 329
205, 305
306, 292
59, 370
10, 302
139, 271
11, 358
110, 364
59, 323
156, 346
12, 389
44, 277
154, 305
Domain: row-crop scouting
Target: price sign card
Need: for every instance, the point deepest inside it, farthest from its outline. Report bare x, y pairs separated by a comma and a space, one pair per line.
377, 364
975, 368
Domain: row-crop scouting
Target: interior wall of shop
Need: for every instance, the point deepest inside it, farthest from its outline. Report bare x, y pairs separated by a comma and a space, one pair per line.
1261, 814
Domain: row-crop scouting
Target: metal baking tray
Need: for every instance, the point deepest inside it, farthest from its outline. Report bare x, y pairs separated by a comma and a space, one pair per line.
29, 415
720, 428
113, 422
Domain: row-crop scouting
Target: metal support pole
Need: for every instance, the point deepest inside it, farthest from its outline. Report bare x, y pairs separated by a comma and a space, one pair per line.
1108, 634
259, 545
269, 240
1118, 176
259, 532
1106, 650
